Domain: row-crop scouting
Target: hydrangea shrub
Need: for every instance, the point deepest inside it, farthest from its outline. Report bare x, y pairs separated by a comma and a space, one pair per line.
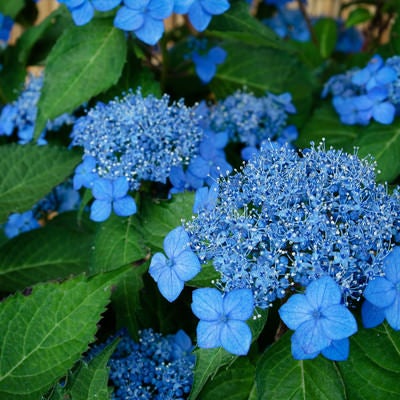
199, 200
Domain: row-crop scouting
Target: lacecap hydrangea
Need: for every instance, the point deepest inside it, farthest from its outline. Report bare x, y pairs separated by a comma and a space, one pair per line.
288, 218
157, 367
136, 137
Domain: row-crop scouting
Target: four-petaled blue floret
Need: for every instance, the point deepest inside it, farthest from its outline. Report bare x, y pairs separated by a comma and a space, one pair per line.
319, 318
222, 319
383, 295
181, 265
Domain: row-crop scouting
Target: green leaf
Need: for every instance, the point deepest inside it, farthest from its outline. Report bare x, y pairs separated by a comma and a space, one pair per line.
280, 376
210, 361
372, 371
358, 16
117, 242
56, 251
126, 300
261, 70
325, 124
383, 143
395, 35
237, 23
77, 61
158, 218
29, 172
91, 380
233, 383
43, 334
11, 8
205, 277
326, 32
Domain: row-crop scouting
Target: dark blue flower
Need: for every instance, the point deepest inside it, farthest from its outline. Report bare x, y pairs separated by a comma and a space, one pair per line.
111, 194
20, 222
206, 64
383, 294
144, 18
222, 319
181, 265
318, 318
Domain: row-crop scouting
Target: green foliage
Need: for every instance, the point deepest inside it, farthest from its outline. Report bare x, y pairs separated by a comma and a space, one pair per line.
358, 16
60, 249
326, 33
44, 333
11, 8
79, 57
29, 173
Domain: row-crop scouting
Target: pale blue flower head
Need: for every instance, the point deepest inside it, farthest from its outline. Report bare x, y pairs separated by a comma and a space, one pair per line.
222, 319
180, 265
318, 318
383, 294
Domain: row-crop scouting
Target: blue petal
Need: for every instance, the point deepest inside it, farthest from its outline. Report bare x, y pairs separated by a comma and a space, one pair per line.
296, 311
239, 304
151, 30
380, 292
138, 5
361, 77
102, 189
392, 265
125, 206
217, 55
128, 19
338, 322
207, 304
392, 314
100, 210
323, 292
157, 265
198, 17
372, 316
182, 6
205, 69
120, 187
169, 284
236, 337
175, 242
208, 334
187, 265
338, 350
160, 9
384, 113
386, 75
298, 352
215, 7
199, 167
82, 14
311, 336
105, 5
200, 199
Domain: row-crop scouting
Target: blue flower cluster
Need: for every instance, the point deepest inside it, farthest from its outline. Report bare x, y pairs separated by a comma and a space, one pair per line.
20, 115
62, 198
205, 59
156, 367
252, 120
139, 138
372, 92
289, 218
145, 18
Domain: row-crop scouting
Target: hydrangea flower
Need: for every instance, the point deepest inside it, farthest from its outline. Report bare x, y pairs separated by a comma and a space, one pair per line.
249, 119
85, 174
140, 138
111, 194
383, 294
222, 319
201, 12
20, 222
318, 318
290, 217
6, 24
82, 11
360, 95
181, 265
206, 64
155, 367
20, 115
205, 198
144, 18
